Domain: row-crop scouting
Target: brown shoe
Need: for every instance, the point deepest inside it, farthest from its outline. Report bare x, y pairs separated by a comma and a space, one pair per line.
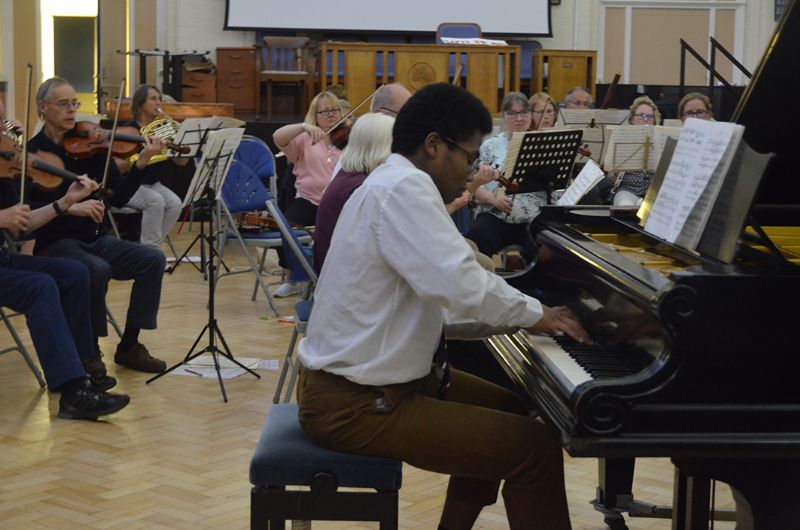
95, 366
138, 358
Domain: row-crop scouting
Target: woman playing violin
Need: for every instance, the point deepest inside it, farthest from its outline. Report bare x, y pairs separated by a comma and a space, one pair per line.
76, 233
309, 147
502, 220
160, 206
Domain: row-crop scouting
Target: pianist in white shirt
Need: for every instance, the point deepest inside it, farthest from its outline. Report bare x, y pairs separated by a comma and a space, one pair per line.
396, 265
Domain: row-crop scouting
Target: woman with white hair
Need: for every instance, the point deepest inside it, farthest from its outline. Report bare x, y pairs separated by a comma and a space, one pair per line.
368, 146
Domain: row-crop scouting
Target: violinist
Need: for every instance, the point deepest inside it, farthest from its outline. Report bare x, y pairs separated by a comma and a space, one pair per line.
502, 220
12, 126
309, 147
78, 232
160, 206
53, 294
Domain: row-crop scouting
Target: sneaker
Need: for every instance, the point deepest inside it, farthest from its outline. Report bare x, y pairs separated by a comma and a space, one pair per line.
138, 358
102, 382
89, 403
288, 289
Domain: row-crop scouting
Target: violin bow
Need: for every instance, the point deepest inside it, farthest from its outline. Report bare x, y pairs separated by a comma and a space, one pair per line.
111, 139
22, 180
344, 118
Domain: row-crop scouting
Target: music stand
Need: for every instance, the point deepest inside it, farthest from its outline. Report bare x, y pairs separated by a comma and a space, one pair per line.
542, 160
207, 182
193, 133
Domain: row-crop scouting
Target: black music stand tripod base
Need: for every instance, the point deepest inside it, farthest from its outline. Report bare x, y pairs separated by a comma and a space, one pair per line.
213, 332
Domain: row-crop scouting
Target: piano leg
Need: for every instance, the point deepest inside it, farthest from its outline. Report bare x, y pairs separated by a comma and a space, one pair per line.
766, 492
690, 501
615, 490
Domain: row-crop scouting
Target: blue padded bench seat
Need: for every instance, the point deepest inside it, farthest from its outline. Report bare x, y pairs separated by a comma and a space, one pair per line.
284, 456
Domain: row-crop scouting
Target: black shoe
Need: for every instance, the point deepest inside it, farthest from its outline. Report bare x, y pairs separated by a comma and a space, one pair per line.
95, 365
102, 382
138, 358
88, 403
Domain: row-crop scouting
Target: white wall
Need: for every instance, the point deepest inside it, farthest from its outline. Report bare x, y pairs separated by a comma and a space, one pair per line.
197, 25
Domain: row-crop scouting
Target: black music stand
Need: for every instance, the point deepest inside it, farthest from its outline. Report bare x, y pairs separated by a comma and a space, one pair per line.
207, 182
542, 160
193, 134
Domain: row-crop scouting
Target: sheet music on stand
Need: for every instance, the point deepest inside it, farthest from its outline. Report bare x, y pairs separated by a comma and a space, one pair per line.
636, 147
541, 160
193, 131
218, 153
594, 124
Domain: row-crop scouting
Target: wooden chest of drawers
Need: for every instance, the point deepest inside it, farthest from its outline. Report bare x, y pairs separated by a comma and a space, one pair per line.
236, 69
199, 87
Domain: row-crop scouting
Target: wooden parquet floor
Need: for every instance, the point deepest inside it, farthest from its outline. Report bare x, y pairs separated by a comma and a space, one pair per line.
177, 456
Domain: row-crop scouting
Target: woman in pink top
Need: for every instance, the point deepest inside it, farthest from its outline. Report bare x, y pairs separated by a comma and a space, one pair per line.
308, 147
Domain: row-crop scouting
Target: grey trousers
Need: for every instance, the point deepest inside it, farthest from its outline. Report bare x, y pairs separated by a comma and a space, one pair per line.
160, 211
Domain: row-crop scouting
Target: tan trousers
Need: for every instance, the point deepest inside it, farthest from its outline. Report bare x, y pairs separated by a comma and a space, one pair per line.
479, 436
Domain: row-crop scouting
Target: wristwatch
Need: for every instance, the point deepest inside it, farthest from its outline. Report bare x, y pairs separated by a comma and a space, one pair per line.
58, 209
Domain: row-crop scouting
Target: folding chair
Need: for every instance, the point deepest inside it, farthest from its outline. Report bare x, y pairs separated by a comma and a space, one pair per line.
127, 210
20, 347
298, 258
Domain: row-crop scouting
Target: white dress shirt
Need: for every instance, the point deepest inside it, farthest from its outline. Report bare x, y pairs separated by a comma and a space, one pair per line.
396, 265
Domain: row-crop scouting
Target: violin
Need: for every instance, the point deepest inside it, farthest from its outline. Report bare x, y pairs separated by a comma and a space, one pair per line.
46, 170
88, 139
255, 221
339, 135
510, 186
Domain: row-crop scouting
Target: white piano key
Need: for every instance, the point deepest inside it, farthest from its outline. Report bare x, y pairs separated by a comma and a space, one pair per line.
557, 358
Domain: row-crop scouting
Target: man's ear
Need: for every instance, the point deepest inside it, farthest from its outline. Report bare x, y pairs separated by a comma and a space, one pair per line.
432, 144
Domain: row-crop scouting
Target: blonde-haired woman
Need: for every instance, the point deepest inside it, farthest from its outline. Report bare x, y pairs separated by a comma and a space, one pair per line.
543, 111
695, 105
309, 148
631, 186
369, 145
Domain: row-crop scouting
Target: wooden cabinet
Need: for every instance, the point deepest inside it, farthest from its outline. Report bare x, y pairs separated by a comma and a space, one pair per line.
557, 71
199, 87
236, 70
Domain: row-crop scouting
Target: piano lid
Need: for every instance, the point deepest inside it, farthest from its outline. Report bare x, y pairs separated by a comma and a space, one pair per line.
769, 107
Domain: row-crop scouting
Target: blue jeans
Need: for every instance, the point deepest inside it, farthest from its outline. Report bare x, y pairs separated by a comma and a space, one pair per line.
53, 294
107, 257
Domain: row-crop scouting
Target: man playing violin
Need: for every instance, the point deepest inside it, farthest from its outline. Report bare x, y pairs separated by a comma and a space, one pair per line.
53, 294
79, 232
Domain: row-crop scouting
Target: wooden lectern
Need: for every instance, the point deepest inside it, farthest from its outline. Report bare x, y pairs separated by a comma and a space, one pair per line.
557, 71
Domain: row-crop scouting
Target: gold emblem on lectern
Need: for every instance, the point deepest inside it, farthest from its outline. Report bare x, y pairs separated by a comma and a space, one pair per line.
420, 74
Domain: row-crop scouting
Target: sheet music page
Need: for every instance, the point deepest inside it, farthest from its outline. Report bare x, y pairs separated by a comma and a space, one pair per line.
729, 214
472, 41
593, 140
697, 221
699, 151
587, 179
575, 117
191, 134
611, 116
626, 148
660, 135
213, 166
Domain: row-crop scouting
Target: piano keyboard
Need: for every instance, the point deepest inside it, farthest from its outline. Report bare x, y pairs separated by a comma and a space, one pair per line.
574, 363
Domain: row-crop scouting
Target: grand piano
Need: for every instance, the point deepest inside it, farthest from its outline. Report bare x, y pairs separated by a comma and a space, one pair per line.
694, 359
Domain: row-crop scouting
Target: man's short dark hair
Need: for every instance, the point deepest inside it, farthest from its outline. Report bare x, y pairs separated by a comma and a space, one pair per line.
446, 109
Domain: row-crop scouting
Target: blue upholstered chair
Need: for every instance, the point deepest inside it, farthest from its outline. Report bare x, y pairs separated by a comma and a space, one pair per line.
284, 456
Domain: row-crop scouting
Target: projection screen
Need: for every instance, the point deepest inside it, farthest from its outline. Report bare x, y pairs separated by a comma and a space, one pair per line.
530, 18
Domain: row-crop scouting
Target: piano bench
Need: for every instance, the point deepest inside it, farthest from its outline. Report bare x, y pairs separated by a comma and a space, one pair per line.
285, 457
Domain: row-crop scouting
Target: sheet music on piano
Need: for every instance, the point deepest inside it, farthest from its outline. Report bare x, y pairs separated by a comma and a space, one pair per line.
702, 197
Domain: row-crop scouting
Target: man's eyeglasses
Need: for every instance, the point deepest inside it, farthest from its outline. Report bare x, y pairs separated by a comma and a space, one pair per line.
387, 110
472, 162
518, 114
645, 117
65, 104
702, 113
328, 112
548, 112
